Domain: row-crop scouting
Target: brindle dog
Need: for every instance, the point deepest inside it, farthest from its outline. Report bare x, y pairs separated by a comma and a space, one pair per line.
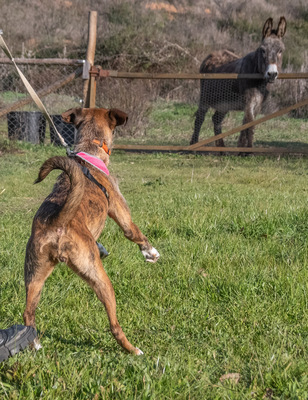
72, 217
243, 94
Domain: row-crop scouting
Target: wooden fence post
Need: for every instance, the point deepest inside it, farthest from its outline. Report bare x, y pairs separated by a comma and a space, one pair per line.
89, 87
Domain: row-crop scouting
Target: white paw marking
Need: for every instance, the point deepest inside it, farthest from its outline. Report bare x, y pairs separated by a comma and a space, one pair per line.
151, 255
140, 352
37, 345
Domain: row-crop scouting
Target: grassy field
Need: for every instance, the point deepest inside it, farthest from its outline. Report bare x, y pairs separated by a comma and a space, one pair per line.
222, 315
172, 123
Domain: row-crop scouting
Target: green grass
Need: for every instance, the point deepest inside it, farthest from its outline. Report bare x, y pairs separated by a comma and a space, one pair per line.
172, 123
10, 97
55, 103
229, 294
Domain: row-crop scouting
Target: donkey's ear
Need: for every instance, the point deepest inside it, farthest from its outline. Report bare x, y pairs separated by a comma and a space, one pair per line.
267, 28
117, 117
282, 27
73, 116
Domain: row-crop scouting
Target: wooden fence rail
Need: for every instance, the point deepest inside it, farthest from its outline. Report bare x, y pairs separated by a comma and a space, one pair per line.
210, 149
144, 75
40, 61
90, 74
98, 72
249, 124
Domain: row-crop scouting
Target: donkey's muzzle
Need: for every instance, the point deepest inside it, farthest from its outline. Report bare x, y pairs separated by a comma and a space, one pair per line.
271, 77
271, 73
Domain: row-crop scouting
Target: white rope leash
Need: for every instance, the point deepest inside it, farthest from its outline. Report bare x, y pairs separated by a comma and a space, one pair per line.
31, 91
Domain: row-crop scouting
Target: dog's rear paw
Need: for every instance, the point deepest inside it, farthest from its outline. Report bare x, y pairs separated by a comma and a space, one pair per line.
151, 255
102, 251
36, 345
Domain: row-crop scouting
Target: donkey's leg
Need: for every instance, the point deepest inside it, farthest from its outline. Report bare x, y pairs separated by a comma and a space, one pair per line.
217, 121
251, 110
200, 115
250, 134
242, 140
244, 135
84, 259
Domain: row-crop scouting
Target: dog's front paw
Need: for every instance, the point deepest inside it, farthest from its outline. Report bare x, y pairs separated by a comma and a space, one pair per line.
138, 352
151, 255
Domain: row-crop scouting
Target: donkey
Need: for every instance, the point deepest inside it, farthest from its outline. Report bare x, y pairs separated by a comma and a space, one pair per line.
246, 95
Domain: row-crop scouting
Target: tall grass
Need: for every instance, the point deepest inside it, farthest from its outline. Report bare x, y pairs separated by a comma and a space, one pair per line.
228, 296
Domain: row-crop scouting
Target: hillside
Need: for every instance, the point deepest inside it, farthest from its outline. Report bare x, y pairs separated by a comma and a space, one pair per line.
151, 35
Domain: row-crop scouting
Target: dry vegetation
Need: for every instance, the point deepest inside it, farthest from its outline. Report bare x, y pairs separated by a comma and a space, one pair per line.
156, 36
136, 34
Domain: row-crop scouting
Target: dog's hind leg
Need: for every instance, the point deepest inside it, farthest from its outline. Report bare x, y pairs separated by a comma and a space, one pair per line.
119, 212
37, 270
87, 264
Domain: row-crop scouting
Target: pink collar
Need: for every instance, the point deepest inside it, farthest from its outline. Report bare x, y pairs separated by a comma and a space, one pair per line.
94, 161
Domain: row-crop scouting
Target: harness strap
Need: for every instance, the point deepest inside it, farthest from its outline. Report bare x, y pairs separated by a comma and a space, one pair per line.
88, 174
102, 145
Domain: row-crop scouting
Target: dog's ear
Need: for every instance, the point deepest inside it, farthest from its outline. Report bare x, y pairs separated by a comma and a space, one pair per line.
117, 117
73, 116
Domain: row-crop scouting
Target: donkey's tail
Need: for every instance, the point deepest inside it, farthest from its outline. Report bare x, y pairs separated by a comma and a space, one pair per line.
77, 181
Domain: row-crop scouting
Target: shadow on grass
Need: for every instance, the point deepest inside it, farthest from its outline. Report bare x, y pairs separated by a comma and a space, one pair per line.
9, 147
301, 145
77, 343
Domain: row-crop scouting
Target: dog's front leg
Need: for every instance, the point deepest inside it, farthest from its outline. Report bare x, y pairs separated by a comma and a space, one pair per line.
119, 212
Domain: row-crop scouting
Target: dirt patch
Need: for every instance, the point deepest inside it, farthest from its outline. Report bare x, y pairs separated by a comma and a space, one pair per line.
171, 9
9, 148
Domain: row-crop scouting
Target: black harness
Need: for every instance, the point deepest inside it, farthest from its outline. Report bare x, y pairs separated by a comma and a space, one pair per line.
88, 174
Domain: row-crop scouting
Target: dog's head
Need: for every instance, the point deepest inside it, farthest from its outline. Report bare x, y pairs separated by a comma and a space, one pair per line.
95, 128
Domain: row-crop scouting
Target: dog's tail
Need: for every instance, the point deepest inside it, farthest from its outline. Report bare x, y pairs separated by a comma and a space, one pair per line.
76, 177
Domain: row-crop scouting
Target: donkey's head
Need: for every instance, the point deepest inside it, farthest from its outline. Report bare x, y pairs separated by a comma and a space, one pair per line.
271, 49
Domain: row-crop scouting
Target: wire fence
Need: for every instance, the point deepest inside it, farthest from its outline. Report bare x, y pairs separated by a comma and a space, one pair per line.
161, 111
19, 116
164, 111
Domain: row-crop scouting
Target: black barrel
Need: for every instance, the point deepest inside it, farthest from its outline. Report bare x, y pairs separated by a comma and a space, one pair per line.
29, 126
67, 131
